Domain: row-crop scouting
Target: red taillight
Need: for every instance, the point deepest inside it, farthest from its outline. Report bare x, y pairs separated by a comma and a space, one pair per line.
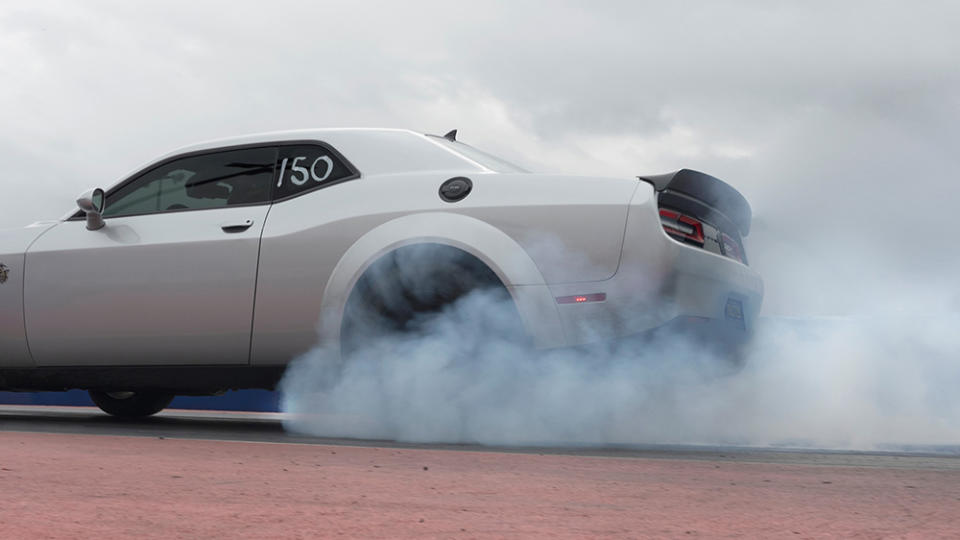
731, 248
684, 228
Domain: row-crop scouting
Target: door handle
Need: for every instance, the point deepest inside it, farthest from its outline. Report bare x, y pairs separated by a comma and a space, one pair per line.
239, 226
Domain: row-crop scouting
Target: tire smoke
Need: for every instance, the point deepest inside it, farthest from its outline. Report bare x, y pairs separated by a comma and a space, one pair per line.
881, 382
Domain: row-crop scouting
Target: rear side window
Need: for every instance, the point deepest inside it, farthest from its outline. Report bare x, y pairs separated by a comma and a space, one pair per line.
304, 167
214, 180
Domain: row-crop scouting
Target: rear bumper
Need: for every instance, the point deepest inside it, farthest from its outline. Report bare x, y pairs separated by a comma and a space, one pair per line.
663, 282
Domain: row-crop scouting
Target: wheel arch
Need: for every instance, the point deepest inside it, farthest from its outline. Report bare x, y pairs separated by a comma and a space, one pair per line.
491, 246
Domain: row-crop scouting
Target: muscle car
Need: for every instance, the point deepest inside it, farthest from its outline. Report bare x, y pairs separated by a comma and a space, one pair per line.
212, 267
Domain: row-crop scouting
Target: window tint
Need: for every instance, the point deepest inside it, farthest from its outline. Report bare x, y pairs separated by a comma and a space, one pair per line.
205, 181
304, 167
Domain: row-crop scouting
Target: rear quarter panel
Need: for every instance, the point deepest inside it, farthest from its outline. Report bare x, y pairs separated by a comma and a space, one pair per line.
570, 228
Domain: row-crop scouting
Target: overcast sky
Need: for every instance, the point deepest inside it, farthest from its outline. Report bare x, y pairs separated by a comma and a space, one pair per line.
840, 121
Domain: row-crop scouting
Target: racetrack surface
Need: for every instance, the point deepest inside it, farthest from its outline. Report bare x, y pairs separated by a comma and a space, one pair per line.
74, 472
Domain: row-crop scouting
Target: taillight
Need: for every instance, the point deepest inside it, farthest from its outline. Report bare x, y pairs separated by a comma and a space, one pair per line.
681, 227
731, 248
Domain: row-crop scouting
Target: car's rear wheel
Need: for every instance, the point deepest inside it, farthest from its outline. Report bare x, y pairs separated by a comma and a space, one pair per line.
131, 404
405, 290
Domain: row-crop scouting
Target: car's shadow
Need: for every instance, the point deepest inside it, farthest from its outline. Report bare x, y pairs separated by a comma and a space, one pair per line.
174, 424
181, 424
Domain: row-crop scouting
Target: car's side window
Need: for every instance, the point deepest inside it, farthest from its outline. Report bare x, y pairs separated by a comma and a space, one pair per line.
212, 180
303, 167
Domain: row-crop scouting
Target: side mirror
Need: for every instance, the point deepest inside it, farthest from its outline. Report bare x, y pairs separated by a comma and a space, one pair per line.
91, 202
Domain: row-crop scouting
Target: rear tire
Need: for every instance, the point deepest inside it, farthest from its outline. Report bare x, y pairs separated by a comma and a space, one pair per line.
131, 404
405, 289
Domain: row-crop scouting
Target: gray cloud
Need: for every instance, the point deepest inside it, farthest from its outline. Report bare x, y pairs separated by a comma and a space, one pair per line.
838, 121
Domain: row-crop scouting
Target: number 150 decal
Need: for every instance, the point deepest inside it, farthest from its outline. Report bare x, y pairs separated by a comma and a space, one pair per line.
299, 174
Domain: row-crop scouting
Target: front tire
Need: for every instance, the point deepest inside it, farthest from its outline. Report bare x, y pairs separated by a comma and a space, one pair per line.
131, 404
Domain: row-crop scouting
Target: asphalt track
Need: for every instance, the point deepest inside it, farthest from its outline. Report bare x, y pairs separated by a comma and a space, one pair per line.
70, 472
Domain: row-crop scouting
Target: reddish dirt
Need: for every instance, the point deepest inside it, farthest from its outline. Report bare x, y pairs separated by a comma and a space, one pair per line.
73, 486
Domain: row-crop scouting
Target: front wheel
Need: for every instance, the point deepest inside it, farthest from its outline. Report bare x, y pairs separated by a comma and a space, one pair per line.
131, 404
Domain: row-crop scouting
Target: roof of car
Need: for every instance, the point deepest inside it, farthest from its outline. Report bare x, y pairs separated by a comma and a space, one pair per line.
371, 150
283, 135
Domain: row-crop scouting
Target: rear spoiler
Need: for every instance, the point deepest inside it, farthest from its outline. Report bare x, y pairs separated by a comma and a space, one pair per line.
718, 196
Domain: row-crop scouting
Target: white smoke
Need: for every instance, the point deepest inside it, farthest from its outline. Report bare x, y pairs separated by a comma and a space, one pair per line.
847, 383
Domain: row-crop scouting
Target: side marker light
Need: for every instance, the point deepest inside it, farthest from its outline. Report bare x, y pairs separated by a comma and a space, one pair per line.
582, 298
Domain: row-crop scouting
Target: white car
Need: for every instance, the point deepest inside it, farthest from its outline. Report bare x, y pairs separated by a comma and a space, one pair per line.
214, 266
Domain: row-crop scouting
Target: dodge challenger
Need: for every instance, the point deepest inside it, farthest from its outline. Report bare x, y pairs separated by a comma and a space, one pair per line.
212, 267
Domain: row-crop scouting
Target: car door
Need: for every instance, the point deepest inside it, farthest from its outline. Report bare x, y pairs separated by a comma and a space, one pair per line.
170, 279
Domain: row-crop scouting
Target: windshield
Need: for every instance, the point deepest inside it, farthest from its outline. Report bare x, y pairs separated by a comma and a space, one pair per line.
489, 161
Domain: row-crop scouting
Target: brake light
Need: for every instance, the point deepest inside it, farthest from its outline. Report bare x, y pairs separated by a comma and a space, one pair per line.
731, 248
681, 227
